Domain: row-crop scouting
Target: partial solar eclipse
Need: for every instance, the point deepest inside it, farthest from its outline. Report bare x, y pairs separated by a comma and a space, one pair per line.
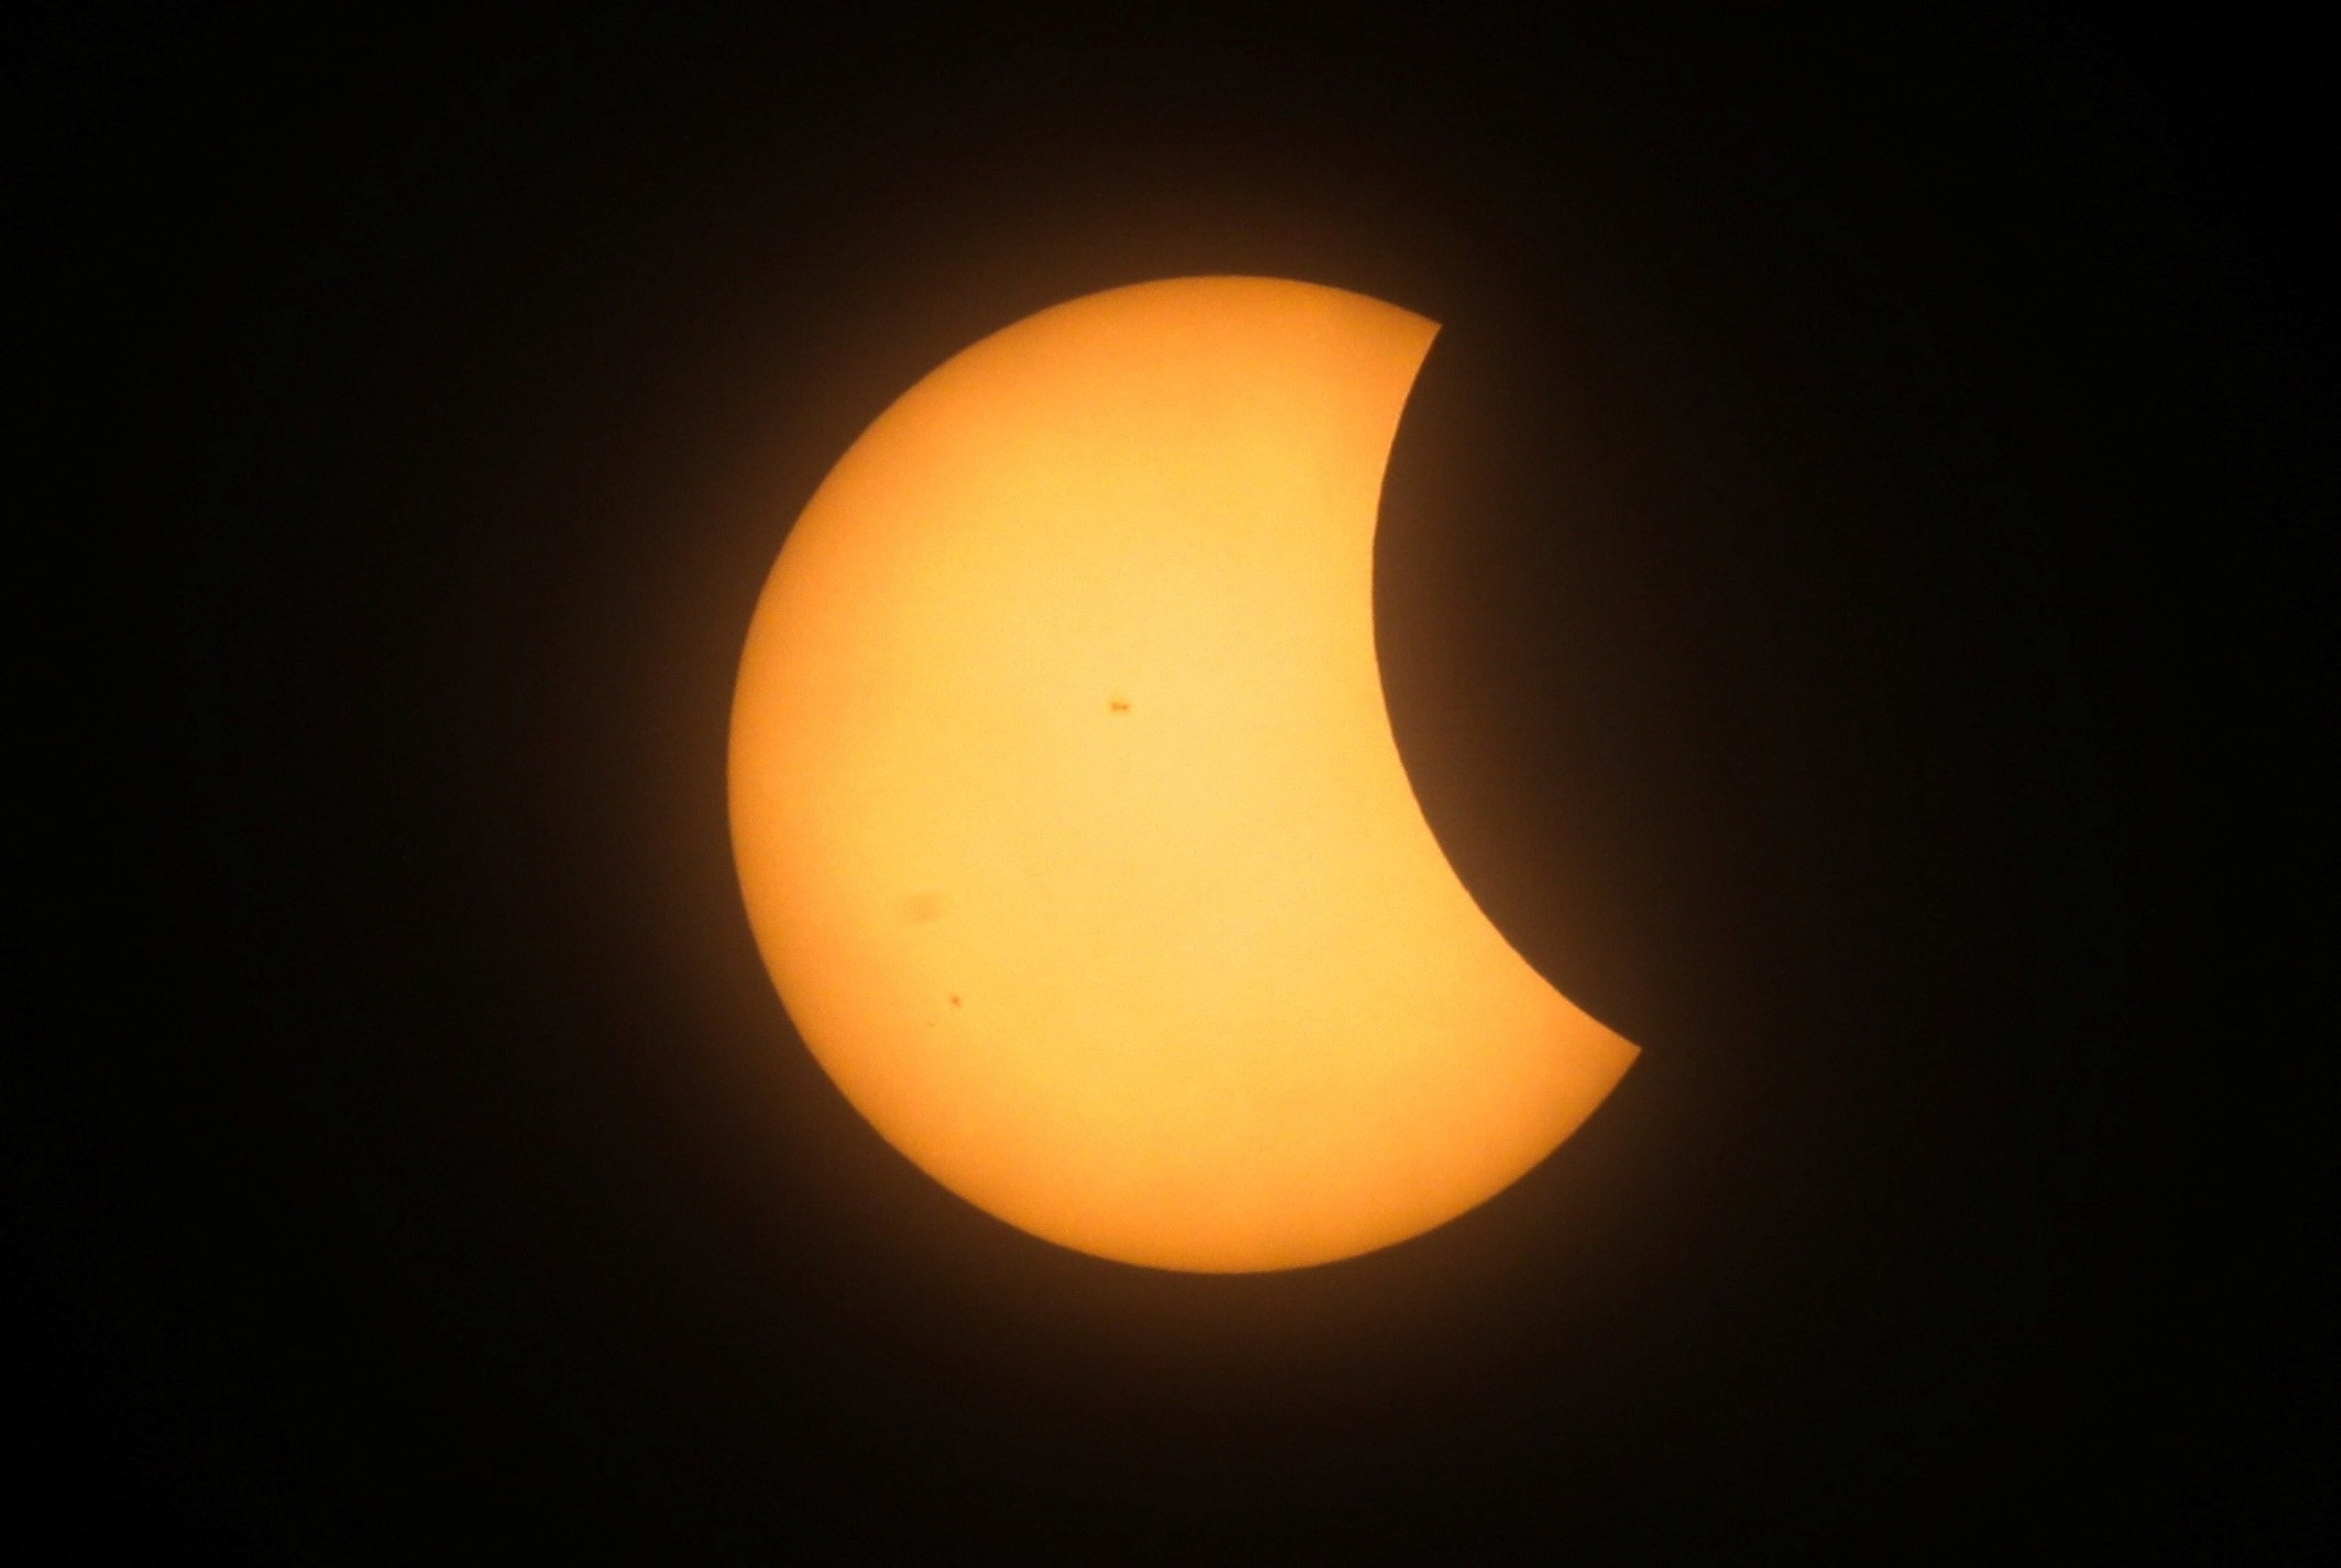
1068, 814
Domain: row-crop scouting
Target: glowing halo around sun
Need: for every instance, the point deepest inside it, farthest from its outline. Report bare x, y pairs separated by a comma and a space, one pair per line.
1068, 815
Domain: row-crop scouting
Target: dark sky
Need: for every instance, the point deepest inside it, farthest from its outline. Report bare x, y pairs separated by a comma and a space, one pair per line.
1806, 588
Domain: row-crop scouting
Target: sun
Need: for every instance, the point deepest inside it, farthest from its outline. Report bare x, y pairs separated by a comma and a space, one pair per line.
1069, 818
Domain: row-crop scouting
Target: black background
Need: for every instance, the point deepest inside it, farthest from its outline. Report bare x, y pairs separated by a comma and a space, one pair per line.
1811, 581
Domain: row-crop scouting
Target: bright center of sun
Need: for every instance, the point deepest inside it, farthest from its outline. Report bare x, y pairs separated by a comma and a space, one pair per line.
1070, 820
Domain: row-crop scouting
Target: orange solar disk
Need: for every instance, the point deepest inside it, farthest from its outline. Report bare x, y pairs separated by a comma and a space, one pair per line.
1068, 814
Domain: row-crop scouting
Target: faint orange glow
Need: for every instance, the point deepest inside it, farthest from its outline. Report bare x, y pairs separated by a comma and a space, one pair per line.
1069, 816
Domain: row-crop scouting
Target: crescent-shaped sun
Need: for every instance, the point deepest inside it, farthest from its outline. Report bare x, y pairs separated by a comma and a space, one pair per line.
1070, 820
